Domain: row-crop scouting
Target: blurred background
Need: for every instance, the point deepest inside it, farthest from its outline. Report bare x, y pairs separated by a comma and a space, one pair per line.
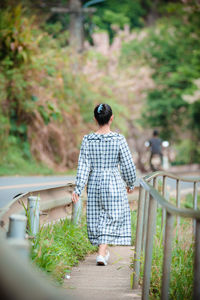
58, 59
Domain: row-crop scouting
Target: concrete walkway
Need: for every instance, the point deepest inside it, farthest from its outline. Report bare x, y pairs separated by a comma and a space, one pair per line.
111, 282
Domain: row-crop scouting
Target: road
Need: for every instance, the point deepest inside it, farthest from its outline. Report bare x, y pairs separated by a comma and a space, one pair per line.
13, 186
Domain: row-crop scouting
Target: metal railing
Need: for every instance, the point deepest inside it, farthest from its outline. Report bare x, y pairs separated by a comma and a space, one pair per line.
18, 278
50, 199
149, 200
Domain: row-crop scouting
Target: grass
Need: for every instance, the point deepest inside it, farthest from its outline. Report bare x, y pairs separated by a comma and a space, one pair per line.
181, 278
58, 247
133, 225
188, 201
13, 162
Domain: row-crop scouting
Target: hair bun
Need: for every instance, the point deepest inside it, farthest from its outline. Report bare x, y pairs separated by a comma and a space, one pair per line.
102, 113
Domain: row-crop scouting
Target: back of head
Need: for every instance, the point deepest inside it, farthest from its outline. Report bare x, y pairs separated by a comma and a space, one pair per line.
102, 113
155, 133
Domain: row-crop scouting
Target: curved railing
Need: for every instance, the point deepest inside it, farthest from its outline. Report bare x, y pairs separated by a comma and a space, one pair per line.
51, 200
149, 199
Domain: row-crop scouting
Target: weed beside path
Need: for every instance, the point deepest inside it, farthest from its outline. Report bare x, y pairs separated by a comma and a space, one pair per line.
181, 277
60, 246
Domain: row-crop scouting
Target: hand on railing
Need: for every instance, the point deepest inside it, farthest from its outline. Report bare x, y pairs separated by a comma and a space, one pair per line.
75, 197
129, 190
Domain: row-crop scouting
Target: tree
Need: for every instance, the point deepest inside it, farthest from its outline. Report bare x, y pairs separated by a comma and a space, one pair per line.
171, 48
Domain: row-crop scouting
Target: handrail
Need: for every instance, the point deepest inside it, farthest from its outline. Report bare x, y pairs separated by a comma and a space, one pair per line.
182, 212
149, 198
170, 175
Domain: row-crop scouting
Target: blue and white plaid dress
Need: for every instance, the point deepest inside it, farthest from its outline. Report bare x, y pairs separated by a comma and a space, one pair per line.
106, 165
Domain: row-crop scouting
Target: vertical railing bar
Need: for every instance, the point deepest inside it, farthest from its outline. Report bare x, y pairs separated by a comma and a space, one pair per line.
155, 183
194, 204
167, 257
164, 195
178, 201
149, 248
164, 185
145, 220
138, 242
143, 227
196, 292
76, 211
163, 210
33, 210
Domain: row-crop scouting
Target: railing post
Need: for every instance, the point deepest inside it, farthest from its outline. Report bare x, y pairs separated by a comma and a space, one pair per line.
76, 211
163, 210
164, 195
33, 214
138, 242
17, 227
194, 204
155, 183
149, 247
178, 200
146, 208
197, 262
16, 235
167, 257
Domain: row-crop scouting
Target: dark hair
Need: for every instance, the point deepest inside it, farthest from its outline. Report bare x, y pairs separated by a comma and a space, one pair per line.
155, 133
102, 113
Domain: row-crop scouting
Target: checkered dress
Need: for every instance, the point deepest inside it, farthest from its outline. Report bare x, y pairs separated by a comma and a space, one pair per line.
106, 165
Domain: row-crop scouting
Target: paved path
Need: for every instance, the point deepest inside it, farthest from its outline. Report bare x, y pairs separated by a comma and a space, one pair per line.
112, 282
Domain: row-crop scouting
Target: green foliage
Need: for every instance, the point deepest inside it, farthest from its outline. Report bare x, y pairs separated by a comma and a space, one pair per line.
16, 39
189, 201
171, 48
120, 13
133, 225
59, 247
17, 160
186, 152
17, 45
181, 277
58, 31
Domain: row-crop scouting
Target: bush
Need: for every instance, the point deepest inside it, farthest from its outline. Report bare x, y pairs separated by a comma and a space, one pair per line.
186, 153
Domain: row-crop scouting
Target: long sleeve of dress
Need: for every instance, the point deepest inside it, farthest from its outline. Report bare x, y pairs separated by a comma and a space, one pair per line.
127, 166
83, 168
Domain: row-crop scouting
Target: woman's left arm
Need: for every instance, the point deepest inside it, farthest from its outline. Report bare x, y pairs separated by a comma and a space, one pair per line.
127, 166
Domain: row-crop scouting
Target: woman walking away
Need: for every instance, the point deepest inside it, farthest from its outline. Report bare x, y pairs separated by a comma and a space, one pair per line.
108, 212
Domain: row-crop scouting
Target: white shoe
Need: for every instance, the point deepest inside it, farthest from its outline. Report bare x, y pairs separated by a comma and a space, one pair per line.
107, 256
101, 260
